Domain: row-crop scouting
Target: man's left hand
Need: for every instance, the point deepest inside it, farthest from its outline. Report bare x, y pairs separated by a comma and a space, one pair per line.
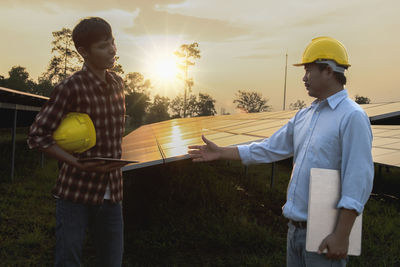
337, 246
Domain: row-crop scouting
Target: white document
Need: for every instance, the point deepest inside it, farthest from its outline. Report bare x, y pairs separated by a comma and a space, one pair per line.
324, 195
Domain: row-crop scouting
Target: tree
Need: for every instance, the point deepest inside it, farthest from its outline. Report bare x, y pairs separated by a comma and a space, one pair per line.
66, 60
118, 67
176, 106
205, 105
299, 104
251, 102
191, 106
137, 99
136, 104
2, 81
135, 82
19, 80
158, 110
186, 53
43, 87
362, 99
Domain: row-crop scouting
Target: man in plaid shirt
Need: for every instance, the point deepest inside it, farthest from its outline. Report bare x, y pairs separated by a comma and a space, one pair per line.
87, 193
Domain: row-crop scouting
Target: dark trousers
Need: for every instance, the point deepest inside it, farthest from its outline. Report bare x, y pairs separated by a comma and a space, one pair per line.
104, 222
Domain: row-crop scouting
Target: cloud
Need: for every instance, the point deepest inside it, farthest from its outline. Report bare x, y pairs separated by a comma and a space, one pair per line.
127, 5
331, 16
190, 27
152, 19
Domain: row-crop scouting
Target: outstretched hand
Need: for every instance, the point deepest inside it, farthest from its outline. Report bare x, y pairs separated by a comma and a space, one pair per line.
207, 152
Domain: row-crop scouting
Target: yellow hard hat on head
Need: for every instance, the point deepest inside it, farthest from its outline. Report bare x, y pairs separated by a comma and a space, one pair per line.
76, 133
325, 48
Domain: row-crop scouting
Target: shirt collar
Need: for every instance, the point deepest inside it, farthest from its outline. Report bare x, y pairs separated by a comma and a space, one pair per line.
94, 78
334, 100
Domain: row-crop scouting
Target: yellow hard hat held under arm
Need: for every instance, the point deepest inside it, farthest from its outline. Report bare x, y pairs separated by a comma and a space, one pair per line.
76, 133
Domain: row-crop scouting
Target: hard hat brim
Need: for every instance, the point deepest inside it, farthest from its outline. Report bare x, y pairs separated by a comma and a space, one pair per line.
302, 64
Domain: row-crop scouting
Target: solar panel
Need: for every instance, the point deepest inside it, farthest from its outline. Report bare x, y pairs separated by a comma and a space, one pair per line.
380, 109
16, 97
171, 138
382, 142
266, 132
379, 151
384, 113
388, 159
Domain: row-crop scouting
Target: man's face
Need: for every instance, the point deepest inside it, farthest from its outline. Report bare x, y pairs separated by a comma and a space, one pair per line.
101, 54
314, 81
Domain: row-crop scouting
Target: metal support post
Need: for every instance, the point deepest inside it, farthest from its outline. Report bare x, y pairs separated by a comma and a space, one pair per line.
272, 174
14, 132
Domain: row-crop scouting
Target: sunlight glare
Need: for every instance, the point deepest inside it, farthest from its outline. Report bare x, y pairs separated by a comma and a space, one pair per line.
177, 144
166, 68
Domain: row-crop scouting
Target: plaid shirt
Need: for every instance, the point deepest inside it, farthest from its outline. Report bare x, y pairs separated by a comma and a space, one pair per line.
104, 102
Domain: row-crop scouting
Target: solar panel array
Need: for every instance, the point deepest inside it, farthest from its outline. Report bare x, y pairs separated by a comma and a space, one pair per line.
386, 144
15, 97
168, 141
25, 104
382, 110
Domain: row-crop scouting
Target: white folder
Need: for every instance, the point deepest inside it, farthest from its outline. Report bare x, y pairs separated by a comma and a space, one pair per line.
324, 194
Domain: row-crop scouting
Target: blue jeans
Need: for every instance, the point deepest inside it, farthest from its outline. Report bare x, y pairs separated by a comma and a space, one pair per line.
297, 256
105, 223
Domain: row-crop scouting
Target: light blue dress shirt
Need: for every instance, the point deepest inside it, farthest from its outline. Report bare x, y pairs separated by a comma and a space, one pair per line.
333, 134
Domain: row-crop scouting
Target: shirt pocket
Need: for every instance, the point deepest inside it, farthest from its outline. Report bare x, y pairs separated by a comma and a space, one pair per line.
326, 151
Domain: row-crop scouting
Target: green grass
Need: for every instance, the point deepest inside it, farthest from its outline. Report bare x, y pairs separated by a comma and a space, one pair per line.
203, 217
183, 214
26, 207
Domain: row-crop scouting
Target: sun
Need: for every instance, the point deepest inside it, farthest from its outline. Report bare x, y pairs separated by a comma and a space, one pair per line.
165, 69
161, 67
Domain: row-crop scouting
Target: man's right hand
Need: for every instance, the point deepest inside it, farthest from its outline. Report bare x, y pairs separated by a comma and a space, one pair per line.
207, 152
89, 166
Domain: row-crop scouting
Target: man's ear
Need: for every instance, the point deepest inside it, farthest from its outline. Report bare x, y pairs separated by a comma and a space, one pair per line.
83, 52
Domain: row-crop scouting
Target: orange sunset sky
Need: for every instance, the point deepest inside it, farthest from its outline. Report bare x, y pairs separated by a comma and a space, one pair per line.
242, 43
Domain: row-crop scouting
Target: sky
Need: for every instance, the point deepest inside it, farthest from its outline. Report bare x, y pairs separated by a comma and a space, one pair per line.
242, 43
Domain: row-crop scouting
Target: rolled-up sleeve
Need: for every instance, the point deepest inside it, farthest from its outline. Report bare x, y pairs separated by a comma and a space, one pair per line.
279, 146
48, 118
357, 164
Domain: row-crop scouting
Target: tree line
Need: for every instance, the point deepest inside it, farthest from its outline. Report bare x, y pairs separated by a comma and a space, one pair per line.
141, 106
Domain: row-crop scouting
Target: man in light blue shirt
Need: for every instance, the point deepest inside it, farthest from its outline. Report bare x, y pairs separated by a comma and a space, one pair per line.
333, 133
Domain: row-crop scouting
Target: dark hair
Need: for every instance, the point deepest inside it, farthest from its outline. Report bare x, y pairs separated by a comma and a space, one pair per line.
338, 75
89, 31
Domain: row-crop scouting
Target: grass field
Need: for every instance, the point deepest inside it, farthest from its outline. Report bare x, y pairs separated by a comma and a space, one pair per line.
183, 214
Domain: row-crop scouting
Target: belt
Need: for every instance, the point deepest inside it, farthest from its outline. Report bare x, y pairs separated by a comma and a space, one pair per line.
302, 225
